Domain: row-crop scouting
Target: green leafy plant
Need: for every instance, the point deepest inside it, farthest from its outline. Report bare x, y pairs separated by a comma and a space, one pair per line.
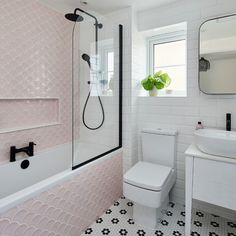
159, 80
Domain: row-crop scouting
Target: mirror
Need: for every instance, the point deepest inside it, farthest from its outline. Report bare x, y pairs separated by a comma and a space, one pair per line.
217, 56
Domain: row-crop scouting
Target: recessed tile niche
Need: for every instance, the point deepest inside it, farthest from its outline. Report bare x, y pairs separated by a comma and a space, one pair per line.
28, 113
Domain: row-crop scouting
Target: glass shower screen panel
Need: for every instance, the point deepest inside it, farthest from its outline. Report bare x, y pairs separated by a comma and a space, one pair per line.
97, 84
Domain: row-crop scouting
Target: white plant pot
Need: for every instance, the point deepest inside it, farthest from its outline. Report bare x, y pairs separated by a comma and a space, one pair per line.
153, 92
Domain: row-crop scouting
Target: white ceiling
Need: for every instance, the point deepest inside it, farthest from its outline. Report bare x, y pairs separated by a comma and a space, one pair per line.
105, 6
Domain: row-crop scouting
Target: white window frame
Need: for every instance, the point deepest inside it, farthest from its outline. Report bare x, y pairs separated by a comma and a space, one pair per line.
104, 64
160, 39
104, 47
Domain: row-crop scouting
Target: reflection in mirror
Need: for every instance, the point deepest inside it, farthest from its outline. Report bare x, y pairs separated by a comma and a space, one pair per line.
106, 65
217, 56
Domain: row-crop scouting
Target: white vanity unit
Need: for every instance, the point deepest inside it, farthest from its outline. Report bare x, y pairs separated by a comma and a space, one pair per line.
209, 178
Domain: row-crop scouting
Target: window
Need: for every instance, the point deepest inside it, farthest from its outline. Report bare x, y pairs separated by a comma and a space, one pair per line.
103, 75
108, 70
167, 53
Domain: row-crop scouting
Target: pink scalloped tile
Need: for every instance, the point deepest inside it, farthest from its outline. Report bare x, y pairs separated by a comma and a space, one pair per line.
3, 224
35, 62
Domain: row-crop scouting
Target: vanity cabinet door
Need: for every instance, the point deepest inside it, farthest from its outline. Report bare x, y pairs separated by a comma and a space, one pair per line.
215, 182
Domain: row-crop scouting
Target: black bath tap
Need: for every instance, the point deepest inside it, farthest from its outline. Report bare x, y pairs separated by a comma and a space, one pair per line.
228, 121
29, 150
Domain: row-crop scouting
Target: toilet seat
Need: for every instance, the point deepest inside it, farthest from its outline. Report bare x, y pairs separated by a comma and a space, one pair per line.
148, 176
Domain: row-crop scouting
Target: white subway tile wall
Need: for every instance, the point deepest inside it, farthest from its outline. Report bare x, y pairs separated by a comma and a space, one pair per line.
124, 17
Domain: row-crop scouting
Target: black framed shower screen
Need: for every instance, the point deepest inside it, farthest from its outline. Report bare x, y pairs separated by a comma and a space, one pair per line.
84, 144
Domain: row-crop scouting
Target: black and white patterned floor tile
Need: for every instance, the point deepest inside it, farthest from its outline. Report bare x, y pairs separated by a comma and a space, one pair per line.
117, 221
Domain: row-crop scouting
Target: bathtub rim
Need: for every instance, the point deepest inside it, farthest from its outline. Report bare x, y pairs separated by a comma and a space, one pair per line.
25, 194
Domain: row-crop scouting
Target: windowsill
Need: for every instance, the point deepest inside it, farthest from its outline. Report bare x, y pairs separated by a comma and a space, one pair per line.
107, 93
164, 94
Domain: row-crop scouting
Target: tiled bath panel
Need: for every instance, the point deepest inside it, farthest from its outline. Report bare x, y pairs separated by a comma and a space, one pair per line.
117, 220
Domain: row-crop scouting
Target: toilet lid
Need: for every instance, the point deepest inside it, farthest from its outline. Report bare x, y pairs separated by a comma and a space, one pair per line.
147, 175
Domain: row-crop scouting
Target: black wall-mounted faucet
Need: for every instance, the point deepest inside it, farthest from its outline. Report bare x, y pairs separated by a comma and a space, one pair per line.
228, 121
29, 150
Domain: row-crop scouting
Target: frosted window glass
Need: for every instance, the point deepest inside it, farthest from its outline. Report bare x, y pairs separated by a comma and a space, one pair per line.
170, 57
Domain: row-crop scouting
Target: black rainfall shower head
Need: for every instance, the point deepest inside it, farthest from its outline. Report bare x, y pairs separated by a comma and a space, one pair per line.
86, 58
74, 17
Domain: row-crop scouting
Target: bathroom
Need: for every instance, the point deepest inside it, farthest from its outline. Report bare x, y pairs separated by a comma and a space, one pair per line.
77, 122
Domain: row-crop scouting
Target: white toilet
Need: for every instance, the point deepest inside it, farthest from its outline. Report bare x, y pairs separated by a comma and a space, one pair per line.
149, 182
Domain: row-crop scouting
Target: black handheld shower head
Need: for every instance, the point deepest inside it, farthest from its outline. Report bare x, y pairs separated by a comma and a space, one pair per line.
86, 58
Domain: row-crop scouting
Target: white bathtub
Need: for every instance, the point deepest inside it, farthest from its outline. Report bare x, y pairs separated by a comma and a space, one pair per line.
35, 180
42, 166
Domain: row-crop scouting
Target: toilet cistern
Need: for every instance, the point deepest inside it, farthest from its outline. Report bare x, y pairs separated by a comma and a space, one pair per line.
149, 182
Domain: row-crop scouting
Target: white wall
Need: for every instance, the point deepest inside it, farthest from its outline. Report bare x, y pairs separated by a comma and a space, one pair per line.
138, 73
183, 113
124, 17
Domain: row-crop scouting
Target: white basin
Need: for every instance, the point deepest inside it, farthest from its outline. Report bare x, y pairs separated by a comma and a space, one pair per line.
216, 142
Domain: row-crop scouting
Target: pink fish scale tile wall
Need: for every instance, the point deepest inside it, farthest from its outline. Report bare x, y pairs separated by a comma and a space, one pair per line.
35, 61
67, 209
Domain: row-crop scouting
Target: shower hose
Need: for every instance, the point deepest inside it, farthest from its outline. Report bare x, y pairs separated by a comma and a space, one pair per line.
84, 109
